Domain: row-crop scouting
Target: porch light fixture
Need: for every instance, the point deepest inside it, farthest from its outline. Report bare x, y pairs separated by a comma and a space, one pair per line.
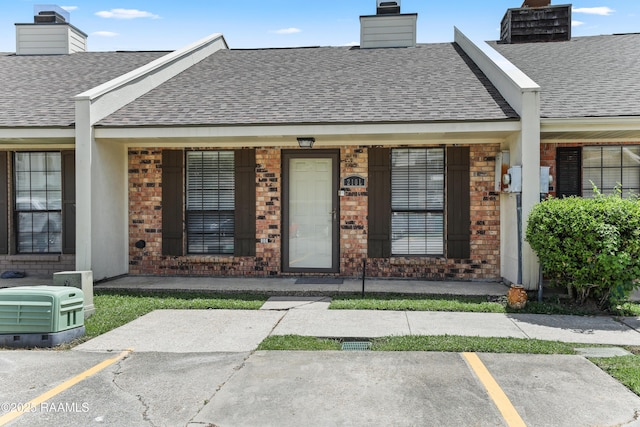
306, 142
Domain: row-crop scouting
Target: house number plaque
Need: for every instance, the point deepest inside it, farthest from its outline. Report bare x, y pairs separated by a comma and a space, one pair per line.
353, 181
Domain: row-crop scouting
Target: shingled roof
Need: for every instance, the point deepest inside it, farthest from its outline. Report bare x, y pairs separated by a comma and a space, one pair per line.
324, 85
597, 76
38, 91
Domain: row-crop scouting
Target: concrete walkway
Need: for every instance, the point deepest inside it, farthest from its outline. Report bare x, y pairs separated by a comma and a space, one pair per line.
290, 286
242, 330
300, 307
306, 286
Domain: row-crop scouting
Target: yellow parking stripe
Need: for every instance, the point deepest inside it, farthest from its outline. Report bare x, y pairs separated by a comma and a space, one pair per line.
27, 407
498, 396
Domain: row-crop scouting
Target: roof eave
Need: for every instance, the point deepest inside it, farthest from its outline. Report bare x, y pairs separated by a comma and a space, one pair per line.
443, 132
44, 135
590, 129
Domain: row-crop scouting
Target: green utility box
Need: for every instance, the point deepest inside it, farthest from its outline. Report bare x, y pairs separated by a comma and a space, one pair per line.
40, 309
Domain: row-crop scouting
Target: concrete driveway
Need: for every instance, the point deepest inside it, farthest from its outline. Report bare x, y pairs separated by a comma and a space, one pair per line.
311, 388
200, 368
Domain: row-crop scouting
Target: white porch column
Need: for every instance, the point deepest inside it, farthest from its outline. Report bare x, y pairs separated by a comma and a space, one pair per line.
523, 94
84, 145
530, 162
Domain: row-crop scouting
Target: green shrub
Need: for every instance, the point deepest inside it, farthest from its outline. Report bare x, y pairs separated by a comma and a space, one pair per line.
591, 246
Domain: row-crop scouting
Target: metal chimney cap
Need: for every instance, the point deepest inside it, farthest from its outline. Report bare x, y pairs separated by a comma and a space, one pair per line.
536, 3
384, 7
49, 9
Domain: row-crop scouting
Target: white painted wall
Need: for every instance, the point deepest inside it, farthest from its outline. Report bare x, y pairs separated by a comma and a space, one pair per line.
109, 210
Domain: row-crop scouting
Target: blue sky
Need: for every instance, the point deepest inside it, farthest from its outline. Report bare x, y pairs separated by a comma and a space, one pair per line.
169, 25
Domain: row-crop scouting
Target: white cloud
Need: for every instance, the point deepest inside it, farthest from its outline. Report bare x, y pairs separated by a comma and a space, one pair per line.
105, 34
352, 44
603, 10
69, 8
288, 31
576, 23
126, 14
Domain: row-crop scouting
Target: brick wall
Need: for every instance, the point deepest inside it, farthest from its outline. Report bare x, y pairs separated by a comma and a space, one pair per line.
38, 265
145, 223
268, 205
353, 212
484, 263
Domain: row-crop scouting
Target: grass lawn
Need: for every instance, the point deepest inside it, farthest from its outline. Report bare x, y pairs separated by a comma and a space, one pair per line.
629, 309
625, 369
114, 309
447, 343
466, 304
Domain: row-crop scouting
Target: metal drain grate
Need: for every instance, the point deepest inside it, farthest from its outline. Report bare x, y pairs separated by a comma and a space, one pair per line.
356, 346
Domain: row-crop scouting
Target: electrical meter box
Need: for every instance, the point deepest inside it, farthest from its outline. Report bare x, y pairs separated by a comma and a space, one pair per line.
513, 179
41, 309
545, 179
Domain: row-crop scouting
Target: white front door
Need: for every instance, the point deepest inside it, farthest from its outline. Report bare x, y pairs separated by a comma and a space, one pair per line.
311, 215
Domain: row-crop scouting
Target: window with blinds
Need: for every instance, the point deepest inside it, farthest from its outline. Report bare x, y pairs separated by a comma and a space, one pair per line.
210, 201
417, 201
609, 167
38, 202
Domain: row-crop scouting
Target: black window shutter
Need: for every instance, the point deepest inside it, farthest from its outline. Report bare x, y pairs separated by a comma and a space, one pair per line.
245, 213
458, 203
172, 202
4, 200
379, 191
569, 171
69, 202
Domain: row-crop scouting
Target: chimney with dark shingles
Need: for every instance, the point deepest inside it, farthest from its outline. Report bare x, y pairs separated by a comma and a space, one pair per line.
536, 21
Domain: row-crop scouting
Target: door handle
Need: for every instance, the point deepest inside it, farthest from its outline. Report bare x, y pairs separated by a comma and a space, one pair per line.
333, 214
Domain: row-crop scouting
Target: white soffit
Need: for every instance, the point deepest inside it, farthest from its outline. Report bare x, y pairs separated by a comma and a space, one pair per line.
591, 129
469, 131
39, 135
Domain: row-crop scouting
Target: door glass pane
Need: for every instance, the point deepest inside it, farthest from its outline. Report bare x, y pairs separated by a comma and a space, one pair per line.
310, 213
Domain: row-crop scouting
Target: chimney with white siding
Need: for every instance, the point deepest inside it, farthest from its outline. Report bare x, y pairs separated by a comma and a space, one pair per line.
389, 27
49, 34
